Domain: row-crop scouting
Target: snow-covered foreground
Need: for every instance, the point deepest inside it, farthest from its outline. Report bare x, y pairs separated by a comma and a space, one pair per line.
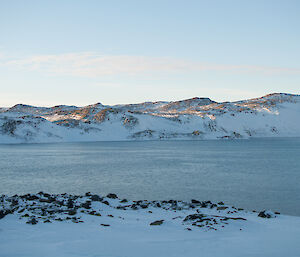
95, 226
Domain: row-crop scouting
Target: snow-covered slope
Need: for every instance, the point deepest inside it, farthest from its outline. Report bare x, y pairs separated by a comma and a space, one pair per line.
274, 115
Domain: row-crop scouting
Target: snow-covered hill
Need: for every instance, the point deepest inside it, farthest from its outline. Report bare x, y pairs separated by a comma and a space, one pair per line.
273, 115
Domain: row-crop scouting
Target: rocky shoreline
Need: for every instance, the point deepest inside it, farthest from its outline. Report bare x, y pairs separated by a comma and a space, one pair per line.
49, 208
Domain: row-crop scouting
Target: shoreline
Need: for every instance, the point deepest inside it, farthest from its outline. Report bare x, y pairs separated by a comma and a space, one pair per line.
126, 140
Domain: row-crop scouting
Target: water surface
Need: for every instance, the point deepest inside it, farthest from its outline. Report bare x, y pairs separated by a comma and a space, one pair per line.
254, 174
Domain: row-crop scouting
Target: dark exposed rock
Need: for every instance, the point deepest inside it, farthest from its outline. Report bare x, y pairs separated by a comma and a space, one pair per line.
121, 207
105, 225
95, 213
32, 221
232, 218
134, 207
106, 202
2, 214
10, 211
60, 203
204, 205
86, 205
124, 201
44, 212
96, 198
194, 217
31, 197
237, 218
47, 200
72, 212
264, 214
112, 196
70, 204
195, 201
14, 202
172, 202
157, 223
222, 208
21, 210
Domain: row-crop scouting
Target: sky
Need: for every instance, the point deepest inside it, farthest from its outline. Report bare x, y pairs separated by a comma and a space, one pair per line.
83, 52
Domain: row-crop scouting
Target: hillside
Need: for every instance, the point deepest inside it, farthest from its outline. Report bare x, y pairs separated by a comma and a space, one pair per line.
273, 115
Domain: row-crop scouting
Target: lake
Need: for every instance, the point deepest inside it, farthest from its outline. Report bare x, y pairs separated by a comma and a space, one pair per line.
253, 174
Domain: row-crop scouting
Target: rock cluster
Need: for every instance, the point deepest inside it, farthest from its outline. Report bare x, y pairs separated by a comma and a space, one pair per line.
48, 208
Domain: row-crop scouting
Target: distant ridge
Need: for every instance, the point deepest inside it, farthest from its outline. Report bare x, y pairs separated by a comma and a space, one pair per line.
197, 118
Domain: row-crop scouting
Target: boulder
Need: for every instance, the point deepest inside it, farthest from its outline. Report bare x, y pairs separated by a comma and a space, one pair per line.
106, 202
157, 223
70, 204
112, 196
86, 205
266, 214
32, 221
96, 198
220, 208
194, 217
72, 212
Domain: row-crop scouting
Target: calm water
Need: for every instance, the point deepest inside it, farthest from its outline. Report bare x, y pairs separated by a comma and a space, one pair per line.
254, 174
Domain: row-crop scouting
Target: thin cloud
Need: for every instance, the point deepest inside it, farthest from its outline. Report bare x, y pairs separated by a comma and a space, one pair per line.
91, 64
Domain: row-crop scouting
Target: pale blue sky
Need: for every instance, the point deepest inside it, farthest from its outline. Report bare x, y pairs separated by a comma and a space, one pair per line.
83, 52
